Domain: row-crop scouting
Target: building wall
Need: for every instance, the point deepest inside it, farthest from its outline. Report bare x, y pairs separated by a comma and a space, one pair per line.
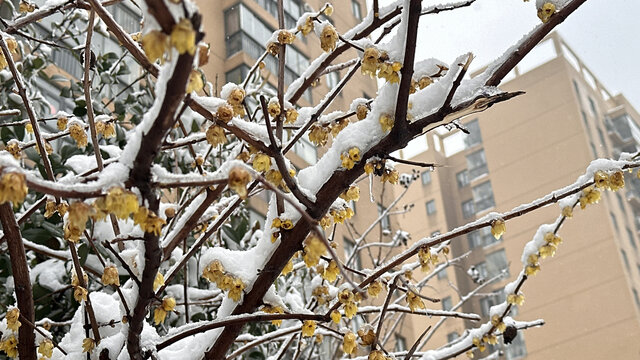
534, 144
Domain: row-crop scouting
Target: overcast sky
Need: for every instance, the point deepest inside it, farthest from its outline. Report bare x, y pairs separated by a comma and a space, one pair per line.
603, 33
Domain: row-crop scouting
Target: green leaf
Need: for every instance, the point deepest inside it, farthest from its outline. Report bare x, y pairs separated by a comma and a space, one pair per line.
83, 252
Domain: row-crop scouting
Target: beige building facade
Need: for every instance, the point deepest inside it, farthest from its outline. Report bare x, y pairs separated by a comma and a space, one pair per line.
519, 151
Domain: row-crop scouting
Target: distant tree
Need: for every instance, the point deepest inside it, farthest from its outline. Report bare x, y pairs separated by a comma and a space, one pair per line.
125, 226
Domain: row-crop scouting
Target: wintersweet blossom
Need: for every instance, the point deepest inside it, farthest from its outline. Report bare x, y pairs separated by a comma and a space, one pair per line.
349, 343
308, 328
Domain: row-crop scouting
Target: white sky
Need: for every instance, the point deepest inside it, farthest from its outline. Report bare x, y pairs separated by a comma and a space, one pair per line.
603, 33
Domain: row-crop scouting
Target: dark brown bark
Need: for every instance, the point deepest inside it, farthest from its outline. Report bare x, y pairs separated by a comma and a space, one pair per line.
20, 271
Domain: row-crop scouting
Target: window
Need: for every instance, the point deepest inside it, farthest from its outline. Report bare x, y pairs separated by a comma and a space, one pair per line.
452, 336
447, 304
625, 259
426, 177
355, 6
385, 222
577, 89
245, 32
593, 150
585, 119
237, 75
632, 240
481, 237
431, 207
483, 197
490, 300
463, 178
614, 221
477, 164
474, 137
349, 246
124, 16
468, 209
592, 107
636, 298
601, 136
496, 262
333, 78
620, 202
401, 343
517, 348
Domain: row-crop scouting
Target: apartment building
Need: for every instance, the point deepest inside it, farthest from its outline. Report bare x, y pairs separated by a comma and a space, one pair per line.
515, 153
236, 46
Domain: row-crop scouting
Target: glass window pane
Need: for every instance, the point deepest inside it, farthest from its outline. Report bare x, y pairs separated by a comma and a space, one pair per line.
477, 164
483, 196
474, 137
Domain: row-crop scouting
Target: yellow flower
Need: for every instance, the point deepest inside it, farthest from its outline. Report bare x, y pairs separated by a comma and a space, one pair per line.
50, 209
158, 281
601, 179
195, 82
546, 11
424, 82
515, 299
361, 111
616, 181
13, 188
308, 328
273, 108
261, 162
368, 337
26, 7
349, 344
274, 310
498, 228
391, 176
313, 249
370, 60
374, 289
533, 259
159, 315
347, 162
547, 250
224, 113
331, 272
354, 154
567, 211
497, 322
29, 128
350, 309
121, 203
589, 196
532, 269
12, 319
154, 44
328, 38
318, 135
273, 48
62, 123
148, 221
110, 276
236, 97
236, 289
80, 294
76, 131
335, 316
478, 343
76, 221
286, 37
46, 348
353, 193
238, 180
291, 115
469, 354
13, 147
10, 346
328, 10
183, 37
386, 122
168, 304
307, 27
287, 224
414, 301
377, 355
388, 71
215, 135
